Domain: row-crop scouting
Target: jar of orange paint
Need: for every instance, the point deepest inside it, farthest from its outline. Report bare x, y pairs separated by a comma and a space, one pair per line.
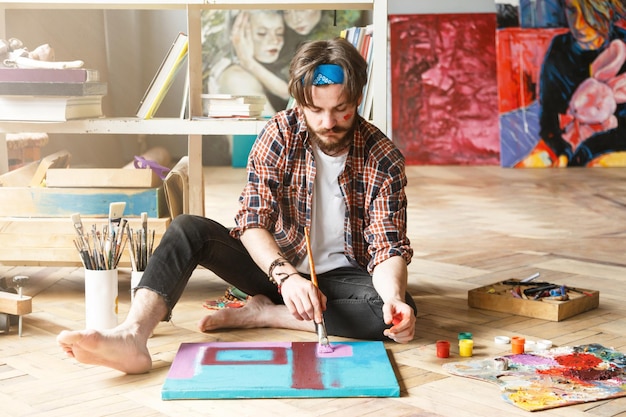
517, 344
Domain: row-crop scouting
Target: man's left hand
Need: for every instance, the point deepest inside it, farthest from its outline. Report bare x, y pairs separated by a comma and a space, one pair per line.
401, 316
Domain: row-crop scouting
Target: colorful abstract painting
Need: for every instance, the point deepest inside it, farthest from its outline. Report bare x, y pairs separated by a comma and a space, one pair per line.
552, 378
279, 370
562, 91
443, 88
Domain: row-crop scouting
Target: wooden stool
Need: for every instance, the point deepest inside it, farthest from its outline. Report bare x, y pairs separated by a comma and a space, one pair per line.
23, 148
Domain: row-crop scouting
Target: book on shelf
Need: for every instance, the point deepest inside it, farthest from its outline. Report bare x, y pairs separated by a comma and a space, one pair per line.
368, 96
238, 107
164, 77
362, 39
36, 88
228, 105
50, 108
235, 113
49, 75
224, 99
242, 109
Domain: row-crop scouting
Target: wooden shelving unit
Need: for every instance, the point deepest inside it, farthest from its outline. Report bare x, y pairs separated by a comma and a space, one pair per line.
193, 128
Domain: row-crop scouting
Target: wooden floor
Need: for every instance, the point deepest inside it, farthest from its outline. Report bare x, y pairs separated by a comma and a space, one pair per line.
470, 226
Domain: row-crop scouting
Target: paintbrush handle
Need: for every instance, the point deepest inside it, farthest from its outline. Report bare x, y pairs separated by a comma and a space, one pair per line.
320, 328
310, 254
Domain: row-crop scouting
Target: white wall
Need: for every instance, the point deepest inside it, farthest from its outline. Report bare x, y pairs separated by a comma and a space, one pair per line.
440, 6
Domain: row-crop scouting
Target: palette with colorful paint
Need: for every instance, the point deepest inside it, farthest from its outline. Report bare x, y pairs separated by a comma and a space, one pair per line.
279, 370
552, 378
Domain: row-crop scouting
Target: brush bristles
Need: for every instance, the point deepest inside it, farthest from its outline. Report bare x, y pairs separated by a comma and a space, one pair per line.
76, 218
324, 347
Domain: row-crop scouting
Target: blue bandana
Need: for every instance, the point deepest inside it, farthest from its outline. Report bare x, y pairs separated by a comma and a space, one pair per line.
328, 74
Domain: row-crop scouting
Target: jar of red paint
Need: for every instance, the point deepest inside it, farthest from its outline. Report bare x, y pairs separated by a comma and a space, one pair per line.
443, 348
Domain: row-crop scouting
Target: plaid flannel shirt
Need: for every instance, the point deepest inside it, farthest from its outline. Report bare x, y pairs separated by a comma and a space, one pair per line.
279, 189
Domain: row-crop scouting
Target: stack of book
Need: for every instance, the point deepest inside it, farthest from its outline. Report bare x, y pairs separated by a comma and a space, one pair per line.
228, 105
50, 95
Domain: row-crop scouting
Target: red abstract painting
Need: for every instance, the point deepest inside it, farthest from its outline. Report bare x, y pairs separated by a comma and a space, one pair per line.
444, 88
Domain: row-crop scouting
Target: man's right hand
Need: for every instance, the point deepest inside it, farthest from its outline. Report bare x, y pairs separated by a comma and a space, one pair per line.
303, 299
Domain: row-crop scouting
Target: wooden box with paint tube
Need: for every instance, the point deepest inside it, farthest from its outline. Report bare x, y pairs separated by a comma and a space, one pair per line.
546, 301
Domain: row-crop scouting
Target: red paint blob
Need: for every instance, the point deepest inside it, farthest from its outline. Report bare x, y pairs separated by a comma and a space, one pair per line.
579, 361
347, 116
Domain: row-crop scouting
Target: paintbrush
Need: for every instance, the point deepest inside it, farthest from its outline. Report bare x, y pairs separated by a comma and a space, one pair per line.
120, 242
131, 249
116, 211
144, 240
320, 328
78, 226
84, 255
82, 244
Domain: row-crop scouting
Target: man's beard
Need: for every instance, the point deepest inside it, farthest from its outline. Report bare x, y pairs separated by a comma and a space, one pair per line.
333, 148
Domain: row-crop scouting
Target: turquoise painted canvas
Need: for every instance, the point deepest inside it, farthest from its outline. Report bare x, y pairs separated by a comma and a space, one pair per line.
231, 370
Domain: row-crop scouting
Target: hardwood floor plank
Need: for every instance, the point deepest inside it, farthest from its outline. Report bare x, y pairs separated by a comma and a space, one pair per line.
469, 226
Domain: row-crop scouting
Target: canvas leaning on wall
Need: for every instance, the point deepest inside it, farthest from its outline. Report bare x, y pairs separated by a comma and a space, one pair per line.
443, 88
560, 83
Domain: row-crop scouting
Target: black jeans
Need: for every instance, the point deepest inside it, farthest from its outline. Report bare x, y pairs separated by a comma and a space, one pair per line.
354, 308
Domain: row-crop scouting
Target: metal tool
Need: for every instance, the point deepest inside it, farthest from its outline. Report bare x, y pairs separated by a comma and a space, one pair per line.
320, 328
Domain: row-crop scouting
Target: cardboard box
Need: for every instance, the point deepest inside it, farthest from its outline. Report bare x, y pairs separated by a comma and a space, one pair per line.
102, 177
498, 297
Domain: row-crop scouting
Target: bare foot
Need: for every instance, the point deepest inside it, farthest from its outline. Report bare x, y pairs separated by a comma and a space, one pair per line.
259, 311
117, 349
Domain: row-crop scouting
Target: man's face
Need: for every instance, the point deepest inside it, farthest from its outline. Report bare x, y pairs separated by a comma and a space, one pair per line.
330, 120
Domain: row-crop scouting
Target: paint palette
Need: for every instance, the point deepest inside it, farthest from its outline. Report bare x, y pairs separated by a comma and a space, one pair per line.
279, 370
553, 378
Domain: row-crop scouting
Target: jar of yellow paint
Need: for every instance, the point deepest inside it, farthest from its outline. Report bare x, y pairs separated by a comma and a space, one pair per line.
466, 347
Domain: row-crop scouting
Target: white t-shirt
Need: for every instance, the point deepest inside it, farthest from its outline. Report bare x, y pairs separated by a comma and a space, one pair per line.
328, 215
